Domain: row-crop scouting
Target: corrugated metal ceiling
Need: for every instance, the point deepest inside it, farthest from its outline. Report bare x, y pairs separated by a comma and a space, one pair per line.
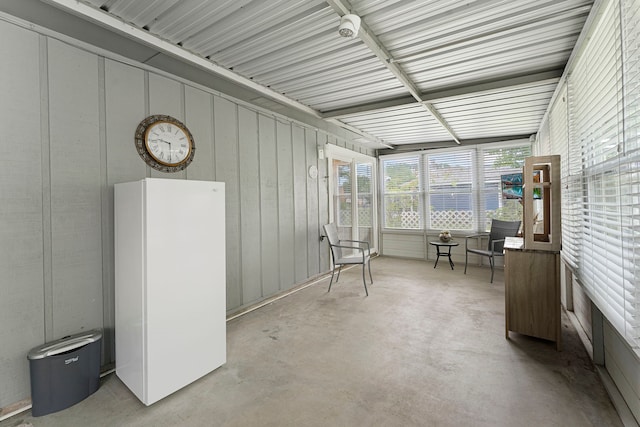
419, 72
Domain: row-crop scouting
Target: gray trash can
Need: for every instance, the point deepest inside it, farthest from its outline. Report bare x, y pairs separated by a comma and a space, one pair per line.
64, 372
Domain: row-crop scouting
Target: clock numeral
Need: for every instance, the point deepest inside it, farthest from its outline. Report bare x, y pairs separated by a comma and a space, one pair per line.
162, 155
161, 127
182, 138
183, 145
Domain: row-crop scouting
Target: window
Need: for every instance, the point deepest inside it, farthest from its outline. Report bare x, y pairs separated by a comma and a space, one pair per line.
364, 182
450, 190
630, 168
595, 109
343, 193
601, 166
497, 162
460, 187
402, 207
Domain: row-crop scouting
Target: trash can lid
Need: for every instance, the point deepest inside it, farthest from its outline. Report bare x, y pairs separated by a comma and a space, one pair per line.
65, 344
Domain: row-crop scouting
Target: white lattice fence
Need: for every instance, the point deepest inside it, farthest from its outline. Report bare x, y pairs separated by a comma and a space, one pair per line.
345, 218
410, 219
452, 220
364, 217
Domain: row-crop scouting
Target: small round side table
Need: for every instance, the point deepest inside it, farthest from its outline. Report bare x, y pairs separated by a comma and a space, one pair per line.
441, 252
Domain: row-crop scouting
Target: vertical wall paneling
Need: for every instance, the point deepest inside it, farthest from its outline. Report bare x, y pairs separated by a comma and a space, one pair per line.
166, 96
199, 120
74, 114
323, 202
124, 108
313, 231
46, 188
75, 190
621, 363
286, 208
108, 295
21, 221
269, 204
582, 308
249, 205
300, 203
226, 167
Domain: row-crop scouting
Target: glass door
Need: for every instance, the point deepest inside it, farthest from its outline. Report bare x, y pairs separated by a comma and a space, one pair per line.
342, 198
353, 198
365, 202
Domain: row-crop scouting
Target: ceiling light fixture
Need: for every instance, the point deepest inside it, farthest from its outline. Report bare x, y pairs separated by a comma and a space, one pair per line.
349, 25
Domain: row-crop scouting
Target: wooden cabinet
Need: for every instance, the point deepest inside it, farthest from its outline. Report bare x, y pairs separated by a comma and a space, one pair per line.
532, 291
532, 263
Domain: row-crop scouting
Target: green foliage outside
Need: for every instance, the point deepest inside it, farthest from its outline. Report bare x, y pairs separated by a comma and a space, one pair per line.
402, 199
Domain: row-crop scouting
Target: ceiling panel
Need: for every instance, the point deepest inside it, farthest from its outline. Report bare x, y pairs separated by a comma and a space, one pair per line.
290, 48
510, 111
411, 124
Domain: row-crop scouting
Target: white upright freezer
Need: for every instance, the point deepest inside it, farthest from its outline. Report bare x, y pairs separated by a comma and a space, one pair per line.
170, 284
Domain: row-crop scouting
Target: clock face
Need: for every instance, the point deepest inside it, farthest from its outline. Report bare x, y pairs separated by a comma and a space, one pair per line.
167, 143
164, 143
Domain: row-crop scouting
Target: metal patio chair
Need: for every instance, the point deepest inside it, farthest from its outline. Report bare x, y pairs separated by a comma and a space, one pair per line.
361, 255
499, 230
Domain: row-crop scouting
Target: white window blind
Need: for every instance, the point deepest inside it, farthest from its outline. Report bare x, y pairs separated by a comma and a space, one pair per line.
630, 166
595, 117
543, 143
558, 128
450, 190
571, 185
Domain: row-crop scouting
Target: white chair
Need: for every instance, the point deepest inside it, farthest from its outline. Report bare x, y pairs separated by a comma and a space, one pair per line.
361, 255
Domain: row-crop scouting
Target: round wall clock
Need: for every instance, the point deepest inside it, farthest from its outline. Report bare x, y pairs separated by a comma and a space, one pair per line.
164, 143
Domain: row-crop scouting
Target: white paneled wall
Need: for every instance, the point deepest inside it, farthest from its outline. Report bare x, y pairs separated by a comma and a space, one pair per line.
404, 245
69, 116
24, 211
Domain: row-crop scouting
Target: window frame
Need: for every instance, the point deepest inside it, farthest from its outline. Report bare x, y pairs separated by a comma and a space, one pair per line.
477, 184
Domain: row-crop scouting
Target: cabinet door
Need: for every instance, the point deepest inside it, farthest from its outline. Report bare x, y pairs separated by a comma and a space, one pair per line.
533, 294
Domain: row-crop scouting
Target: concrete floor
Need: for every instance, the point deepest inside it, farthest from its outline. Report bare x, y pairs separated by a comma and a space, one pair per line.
426, 348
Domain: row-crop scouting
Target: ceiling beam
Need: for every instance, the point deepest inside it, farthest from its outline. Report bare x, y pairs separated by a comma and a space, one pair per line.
372, 139
343, 7
110, 22
405, 148
544, 77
